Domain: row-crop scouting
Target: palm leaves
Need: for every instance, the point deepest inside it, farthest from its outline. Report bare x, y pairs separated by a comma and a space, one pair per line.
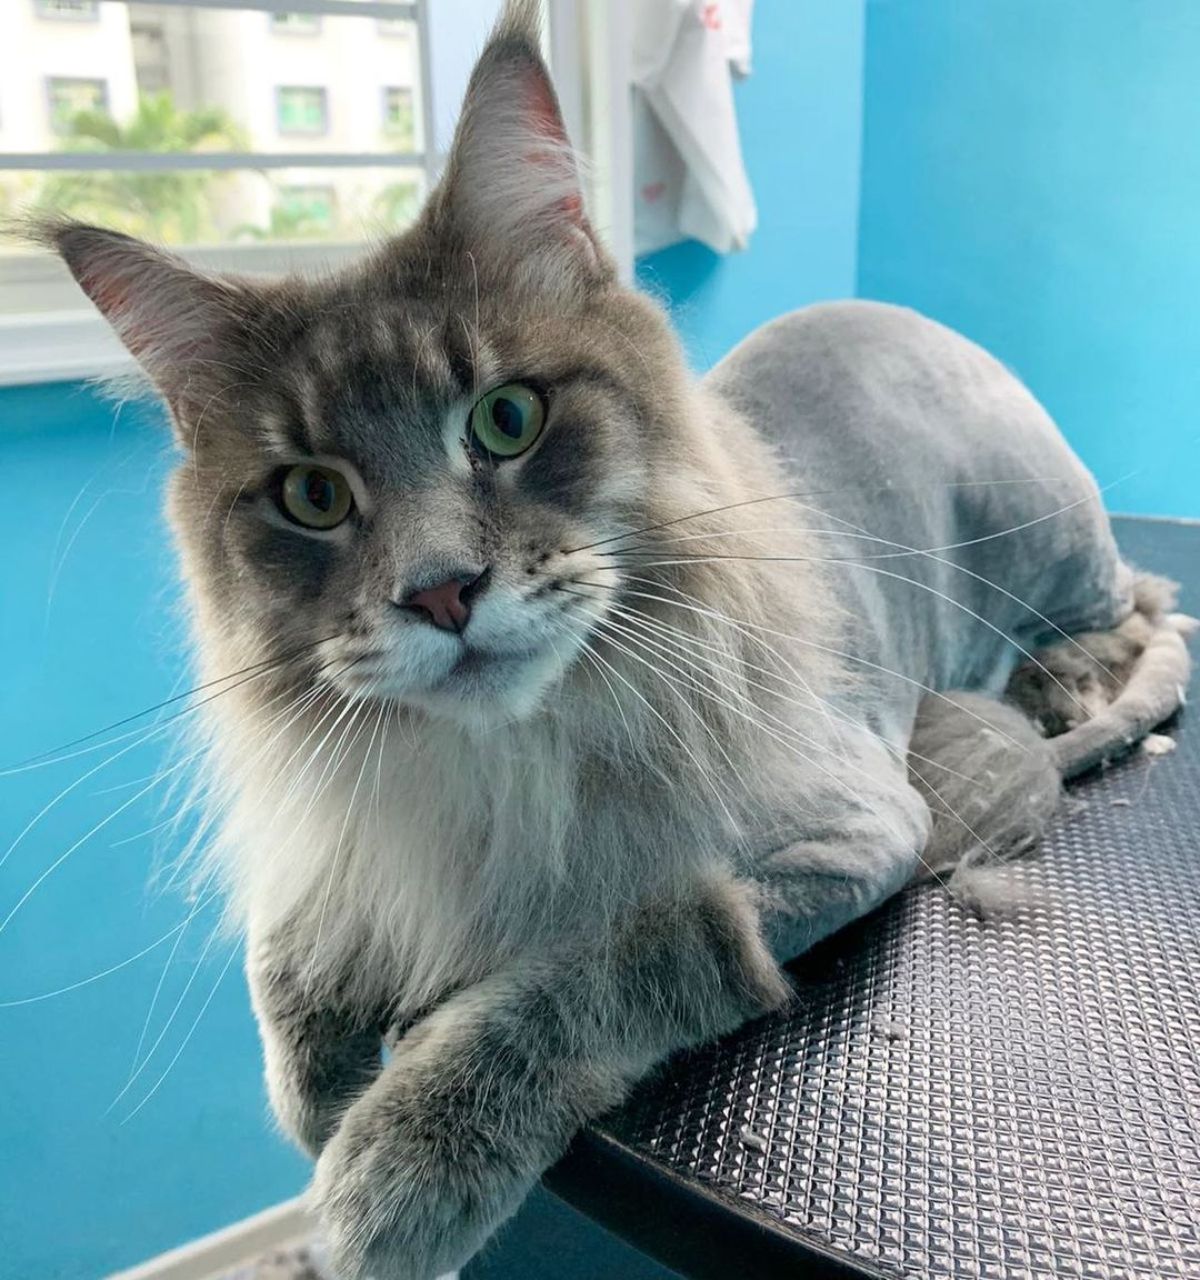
177, 207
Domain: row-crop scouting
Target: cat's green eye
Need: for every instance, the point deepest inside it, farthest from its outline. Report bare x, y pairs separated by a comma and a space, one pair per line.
316, 497
508, 420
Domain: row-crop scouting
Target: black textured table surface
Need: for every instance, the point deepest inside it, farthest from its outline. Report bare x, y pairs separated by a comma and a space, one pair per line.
1017, 1098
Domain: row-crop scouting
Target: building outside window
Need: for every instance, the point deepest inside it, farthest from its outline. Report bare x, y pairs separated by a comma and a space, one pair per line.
301, 109
74, 9
296, 24
69, 96
398, 116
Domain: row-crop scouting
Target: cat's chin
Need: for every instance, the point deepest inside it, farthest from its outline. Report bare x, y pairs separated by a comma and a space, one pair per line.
484, 690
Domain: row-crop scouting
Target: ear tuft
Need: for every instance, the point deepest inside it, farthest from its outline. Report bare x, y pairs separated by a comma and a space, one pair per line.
170, 317
520, 22
512, 179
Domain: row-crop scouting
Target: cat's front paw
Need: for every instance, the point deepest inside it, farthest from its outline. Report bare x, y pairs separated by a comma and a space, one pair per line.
406, 1194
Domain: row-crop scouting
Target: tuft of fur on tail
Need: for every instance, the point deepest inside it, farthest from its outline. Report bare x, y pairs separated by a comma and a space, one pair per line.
1076, 680
991, 796
1151, 684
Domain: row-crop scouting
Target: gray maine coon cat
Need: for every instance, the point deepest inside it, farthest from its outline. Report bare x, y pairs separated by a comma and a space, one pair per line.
562, 696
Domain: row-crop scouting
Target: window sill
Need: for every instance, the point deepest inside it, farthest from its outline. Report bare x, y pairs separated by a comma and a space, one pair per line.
49, 332
59, 346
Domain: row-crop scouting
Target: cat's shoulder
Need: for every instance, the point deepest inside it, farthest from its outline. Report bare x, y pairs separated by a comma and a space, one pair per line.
856, 346
848, 322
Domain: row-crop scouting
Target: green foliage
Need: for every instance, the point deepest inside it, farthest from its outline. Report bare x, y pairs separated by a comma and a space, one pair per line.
287, 222
182, 207
396, 205
177, 207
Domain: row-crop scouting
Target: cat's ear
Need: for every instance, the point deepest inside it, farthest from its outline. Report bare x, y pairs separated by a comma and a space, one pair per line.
512, 180
176, 322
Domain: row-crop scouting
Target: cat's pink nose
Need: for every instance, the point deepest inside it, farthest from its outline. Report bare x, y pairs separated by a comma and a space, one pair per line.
448, 604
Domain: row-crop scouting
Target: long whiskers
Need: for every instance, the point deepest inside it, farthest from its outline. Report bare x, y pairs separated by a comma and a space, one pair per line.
607, 628
233, 953
904, 759
704, 773
817, 493
53, 756
678, 636
695, 605
898, 577
174, 932
289, 715
335, 860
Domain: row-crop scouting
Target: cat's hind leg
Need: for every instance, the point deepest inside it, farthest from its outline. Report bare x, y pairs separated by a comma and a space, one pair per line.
991, 782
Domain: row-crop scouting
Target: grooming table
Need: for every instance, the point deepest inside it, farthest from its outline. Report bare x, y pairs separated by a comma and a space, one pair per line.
947, 1097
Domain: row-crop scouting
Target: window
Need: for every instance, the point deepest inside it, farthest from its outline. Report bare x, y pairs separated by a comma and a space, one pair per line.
137, 124
301, 109
398, 118
70, 97
74, 9
151, 54
296, 24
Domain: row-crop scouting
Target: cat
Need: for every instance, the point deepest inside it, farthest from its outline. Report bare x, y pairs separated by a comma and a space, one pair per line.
561, 697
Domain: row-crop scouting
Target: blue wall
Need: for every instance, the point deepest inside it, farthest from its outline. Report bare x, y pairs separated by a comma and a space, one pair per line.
89, 632
1031, 176
800, 116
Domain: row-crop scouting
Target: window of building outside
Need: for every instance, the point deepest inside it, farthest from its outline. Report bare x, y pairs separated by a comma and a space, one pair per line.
399, 116
69, 97
307, 208
302, 109
86, 9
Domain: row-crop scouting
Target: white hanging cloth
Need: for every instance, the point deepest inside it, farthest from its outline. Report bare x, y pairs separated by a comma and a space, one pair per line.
688, 168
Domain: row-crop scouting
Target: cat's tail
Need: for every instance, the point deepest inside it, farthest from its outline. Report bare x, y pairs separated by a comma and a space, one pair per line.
1154, 691
993, 778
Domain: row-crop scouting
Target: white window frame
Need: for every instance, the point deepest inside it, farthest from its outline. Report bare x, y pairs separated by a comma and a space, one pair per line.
386, 91
48, 330
589, 49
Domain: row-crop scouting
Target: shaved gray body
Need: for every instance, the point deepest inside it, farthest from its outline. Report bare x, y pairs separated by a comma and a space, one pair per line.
961, 522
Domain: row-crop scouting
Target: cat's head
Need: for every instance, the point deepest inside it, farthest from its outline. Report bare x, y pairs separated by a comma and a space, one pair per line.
397, 477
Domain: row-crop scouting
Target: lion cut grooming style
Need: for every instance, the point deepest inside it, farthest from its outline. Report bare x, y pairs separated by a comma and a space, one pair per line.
575, 694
